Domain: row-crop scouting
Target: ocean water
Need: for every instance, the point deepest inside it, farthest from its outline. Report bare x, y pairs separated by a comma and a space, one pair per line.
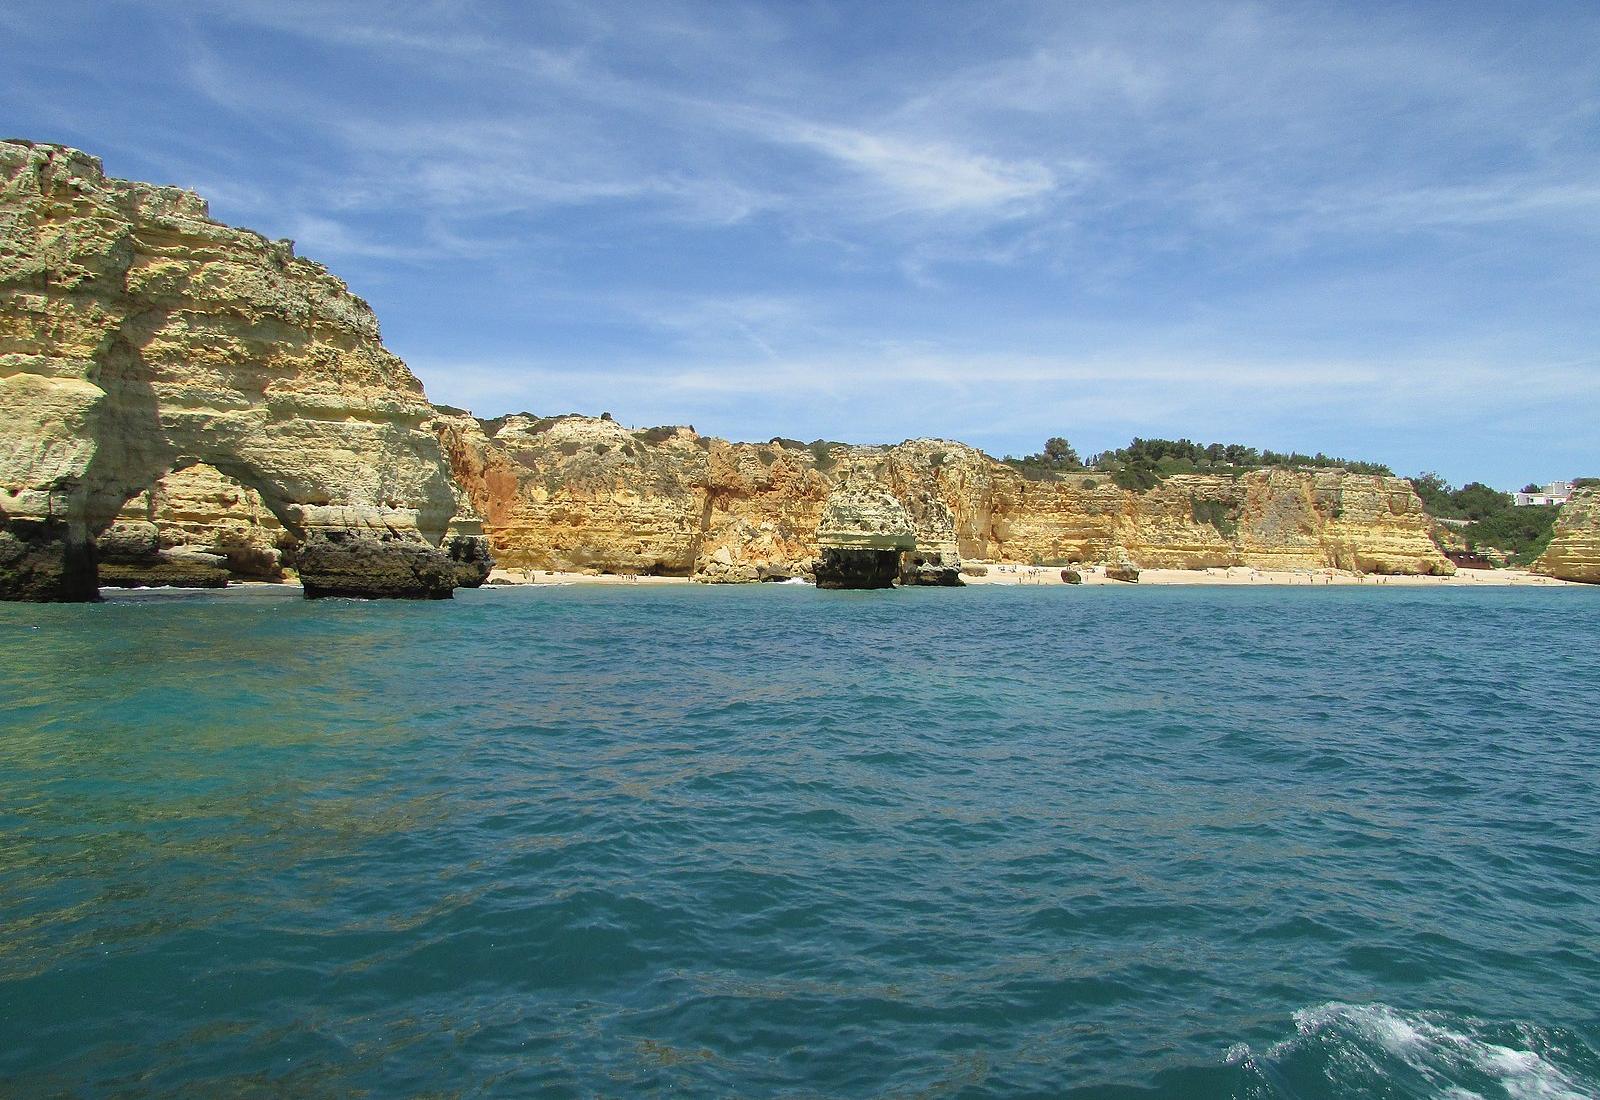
769, 841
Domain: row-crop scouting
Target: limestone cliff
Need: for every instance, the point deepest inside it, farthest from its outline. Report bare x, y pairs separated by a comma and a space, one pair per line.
138, 337
197, 401
194, 526
576, 492
1574, 550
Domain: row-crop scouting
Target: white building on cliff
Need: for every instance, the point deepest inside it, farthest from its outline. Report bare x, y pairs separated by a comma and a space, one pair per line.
1557, 492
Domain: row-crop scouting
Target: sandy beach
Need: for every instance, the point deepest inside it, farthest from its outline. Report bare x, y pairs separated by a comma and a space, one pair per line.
522, 577
1245, 575
1012, 573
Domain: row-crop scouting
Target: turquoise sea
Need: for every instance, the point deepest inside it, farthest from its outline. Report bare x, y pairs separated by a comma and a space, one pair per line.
770, 841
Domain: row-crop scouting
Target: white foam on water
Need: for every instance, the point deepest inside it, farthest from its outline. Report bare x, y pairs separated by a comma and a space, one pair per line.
1451, 1055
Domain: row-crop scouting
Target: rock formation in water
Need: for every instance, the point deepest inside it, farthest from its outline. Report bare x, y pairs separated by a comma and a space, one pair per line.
861, 538
1574, 550
576, 492
196, 527
139, 338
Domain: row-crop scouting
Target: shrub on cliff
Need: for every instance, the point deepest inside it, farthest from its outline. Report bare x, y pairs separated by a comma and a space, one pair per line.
1521, 533
1135, 477
1216, 513
822, 452
1058, 457
1172, 456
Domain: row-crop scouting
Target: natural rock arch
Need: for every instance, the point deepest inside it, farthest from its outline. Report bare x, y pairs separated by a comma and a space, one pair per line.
137, 335
195, 527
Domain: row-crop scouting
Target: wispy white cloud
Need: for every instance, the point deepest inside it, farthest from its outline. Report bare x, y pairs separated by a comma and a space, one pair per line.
923, 175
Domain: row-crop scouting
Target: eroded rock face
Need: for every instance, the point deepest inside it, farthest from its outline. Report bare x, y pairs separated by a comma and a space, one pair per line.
577, 492
195, 510
139, 337
1574, 550
863, 535
857, 567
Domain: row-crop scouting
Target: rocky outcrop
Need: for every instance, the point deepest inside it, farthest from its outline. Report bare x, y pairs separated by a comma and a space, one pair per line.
577, 492
131, 556
863, 534
1574, 550
138, 337
857, 567
194, 511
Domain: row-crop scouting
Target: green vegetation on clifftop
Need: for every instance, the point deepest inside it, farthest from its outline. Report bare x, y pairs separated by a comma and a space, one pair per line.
1494, 525
1144, 462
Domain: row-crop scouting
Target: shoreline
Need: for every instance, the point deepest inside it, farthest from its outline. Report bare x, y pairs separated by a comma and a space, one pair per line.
1002, 574
1011, 573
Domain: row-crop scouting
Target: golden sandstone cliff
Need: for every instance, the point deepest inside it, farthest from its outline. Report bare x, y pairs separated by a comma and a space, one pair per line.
138, 338
182, 401
1574, 550
196, 527
576, 492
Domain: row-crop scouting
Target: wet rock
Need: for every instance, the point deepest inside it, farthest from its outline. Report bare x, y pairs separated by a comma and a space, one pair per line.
845, 567
919, 567
365, 565
862, 535
42, 561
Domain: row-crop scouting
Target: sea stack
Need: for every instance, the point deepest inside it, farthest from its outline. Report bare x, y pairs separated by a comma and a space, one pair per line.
139, 338
863, 533
935, 559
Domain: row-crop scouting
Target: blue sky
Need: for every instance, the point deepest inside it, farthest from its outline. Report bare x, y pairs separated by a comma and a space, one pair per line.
1367, 229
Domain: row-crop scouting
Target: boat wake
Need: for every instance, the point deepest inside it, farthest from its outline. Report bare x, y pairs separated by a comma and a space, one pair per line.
1376, 1050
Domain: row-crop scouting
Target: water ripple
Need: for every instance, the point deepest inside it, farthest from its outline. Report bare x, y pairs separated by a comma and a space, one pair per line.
578, 842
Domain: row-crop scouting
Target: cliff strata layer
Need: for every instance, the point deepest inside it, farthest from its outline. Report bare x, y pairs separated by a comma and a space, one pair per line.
1574, 550
138, 338
194, 527
575, 492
